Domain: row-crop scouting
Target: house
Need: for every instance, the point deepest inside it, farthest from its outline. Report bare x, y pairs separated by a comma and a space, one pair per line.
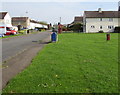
34, 24
95, 21
26, 22
5, 19
23, 21
78, 19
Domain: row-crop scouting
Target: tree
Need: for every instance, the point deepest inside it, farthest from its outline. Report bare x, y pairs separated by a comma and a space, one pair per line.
77, 27
64, 28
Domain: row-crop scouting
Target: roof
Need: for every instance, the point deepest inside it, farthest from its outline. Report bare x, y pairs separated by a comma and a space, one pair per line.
33, 21
19, 18
2, 15
103, 14
78, 19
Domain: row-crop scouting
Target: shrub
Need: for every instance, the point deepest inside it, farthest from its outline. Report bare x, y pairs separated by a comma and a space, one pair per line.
117, 30
77, 27
101, 31
22, 31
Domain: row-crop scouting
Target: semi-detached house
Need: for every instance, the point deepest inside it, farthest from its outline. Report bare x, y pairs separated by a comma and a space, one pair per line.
78, 19
26, 22
95, 21
23, 21
5, 19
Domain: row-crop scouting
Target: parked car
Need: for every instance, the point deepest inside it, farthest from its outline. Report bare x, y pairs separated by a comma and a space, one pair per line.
15, 28
4, 30
10, 31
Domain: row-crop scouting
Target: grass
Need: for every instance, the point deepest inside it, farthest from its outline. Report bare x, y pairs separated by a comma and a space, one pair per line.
22, 31
8, 36
77, 63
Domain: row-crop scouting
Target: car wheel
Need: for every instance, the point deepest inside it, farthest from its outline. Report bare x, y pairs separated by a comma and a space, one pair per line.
11, 34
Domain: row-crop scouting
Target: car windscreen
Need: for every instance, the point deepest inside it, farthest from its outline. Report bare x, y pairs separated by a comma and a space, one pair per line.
9, 28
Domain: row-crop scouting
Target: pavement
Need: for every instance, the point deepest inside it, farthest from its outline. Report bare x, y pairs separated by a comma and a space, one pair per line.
18, 53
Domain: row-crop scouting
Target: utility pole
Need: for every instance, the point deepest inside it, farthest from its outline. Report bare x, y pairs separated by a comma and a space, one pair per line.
60, 20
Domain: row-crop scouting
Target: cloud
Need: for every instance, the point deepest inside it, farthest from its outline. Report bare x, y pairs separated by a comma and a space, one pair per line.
60, 0
52, 11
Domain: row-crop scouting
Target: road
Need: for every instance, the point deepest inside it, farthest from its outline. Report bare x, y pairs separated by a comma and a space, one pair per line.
15, 45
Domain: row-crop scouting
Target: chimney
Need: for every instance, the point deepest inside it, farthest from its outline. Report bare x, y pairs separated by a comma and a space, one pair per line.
100, 10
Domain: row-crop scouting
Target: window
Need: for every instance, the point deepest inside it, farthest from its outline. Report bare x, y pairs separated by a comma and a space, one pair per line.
110, 27
101, 19
7, 21
92, 26
100, 27
110, 19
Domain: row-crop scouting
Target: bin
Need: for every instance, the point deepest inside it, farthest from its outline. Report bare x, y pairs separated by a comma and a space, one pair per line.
108, 37
54, 37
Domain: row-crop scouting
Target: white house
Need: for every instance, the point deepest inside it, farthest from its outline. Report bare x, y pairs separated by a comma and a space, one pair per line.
95, 21
23, 21
5, 19
35, 24
26, 22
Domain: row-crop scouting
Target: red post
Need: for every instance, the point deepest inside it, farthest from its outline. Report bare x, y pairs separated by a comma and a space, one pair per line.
59, 28
108, 37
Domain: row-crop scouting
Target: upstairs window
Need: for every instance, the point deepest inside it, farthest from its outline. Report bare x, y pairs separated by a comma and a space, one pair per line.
110, 19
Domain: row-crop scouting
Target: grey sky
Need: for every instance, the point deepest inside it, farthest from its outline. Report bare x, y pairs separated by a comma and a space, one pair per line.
52, 11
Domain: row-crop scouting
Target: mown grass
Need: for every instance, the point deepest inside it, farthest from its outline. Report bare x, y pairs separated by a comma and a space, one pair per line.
8, 36
77, 63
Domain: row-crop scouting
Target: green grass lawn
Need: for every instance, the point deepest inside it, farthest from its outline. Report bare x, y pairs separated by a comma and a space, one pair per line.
8, 36
77, 63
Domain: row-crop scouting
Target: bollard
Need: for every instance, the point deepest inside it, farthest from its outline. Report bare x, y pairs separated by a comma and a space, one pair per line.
108, 37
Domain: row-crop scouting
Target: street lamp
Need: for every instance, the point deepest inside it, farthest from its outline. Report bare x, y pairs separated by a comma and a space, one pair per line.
26, 13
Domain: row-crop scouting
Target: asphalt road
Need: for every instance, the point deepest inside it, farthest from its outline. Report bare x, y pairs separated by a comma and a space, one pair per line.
15, 45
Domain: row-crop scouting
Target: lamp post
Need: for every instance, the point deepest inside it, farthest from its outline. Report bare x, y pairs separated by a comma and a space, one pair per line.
60, 20
26, 13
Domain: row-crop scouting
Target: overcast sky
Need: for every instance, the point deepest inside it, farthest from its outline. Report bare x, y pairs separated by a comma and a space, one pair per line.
52, 11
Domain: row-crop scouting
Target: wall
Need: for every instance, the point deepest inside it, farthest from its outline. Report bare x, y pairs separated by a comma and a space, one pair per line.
97, 23
6, 21
24, 23
1, 21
